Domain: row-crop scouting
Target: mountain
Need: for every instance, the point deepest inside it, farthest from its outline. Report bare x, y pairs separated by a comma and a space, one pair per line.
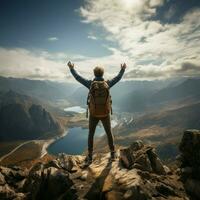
137, 174
186, 89
47, 91
132, 95
143, 96
21, 118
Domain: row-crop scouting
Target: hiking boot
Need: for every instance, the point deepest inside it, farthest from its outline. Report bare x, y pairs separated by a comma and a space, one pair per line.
113, 155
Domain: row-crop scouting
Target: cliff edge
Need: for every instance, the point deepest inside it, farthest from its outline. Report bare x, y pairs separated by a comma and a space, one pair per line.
137, 174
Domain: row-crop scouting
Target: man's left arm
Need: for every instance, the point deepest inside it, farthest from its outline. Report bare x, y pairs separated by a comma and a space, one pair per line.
117, 78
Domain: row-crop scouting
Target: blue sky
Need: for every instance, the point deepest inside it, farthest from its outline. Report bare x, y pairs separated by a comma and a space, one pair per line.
29, 24
157, 38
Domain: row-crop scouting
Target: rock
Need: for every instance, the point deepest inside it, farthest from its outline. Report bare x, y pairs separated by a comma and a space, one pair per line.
193, 187
6, 192
12, 176
165, 190
138, 174
190, 162
128, 194
167, 170
189, 148
142, 162
127, 157
70, 163
2, 179
50, 183
53, 163
138, 193
20, 196
156, 163
84, 176
137, 145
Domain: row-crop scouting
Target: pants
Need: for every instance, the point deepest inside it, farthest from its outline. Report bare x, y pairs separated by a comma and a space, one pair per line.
93, 121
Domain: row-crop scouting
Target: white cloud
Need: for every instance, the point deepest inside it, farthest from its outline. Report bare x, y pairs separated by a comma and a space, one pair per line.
153, 46
150, 48
92, 37
52, 39
22, 63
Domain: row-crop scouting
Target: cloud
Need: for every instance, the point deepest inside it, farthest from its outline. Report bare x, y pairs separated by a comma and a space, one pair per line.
42, 65
52, 39
23, 63
152, 49
155, 48
92, 37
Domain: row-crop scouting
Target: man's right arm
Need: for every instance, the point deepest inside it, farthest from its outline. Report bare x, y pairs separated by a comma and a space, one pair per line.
79, 78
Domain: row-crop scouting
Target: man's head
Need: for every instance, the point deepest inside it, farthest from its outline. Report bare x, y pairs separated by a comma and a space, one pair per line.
98, 71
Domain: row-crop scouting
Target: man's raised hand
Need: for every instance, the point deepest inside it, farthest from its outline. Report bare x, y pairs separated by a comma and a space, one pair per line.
123, 66
70, 65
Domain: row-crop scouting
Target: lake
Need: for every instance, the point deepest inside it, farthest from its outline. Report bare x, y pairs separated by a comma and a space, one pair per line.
75, 109
75, 142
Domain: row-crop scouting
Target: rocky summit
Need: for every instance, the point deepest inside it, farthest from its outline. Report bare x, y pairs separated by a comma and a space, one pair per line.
136, 174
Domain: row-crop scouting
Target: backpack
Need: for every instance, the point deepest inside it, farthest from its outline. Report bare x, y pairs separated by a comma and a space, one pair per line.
99, 100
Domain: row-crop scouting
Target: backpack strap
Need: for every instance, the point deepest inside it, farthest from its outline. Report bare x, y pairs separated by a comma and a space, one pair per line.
87, 103
111, 110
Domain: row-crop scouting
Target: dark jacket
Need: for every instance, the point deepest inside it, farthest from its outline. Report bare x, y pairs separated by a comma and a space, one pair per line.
87, 82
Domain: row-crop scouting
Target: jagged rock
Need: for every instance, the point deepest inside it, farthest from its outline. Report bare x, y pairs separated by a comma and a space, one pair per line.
165, 190
70, 163
13, 175
137, 145
142, 157
156, 163
127, 157
50, 183
138, 174
2, 179
53, 163
143, 163
6, 192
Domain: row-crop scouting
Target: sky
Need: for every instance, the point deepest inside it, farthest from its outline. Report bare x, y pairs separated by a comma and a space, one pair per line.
156, 38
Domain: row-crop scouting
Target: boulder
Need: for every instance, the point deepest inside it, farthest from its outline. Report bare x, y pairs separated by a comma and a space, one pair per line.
49, 183
142, 157
189, 148
6, 192
156, 163
137, 145
69, 162
127, 158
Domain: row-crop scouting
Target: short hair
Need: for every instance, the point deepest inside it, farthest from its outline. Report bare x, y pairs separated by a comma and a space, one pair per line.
98, 71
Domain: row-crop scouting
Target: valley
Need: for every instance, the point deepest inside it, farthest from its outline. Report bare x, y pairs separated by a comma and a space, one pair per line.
156, 112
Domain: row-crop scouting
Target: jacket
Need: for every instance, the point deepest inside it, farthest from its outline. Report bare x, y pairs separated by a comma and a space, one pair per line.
87, 83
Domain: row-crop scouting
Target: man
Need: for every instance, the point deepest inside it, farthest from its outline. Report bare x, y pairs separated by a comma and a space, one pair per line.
102, 112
